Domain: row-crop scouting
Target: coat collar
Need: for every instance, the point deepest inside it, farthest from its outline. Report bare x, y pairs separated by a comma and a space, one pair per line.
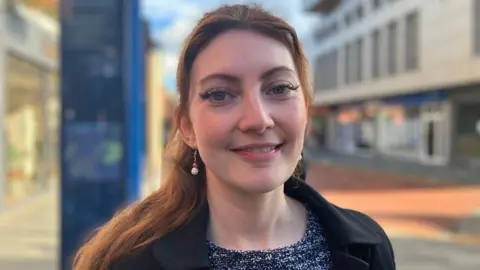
186, 248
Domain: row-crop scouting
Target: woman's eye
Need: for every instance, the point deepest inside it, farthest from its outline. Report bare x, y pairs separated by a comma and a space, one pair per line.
217, 97
281, 90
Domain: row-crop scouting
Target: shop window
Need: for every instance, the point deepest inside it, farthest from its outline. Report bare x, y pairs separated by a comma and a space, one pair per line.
366, 133
317, 136
356, 130
467, 144
401, 130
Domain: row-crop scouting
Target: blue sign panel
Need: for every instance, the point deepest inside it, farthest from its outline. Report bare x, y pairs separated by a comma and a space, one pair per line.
101, 124
93, 152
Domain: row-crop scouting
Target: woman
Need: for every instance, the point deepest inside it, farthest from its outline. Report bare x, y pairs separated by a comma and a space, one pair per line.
229, 200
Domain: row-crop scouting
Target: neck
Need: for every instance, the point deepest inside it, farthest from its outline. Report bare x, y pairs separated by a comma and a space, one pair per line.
251, 222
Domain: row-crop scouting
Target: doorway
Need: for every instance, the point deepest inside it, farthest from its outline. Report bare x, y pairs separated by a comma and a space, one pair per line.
434, 133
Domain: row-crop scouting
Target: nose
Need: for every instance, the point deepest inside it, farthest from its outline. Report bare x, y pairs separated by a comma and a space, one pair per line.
256, 117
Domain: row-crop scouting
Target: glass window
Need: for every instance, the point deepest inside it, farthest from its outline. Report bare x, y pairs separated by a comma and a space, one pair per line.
359, 63
376, 54
467, 143
392, 48
401, 129
347, 64
356, 129
359, 12
411, 42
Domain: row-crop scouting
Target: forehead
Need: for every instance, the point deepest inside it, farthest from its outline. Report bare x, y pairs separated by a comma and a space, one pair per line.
241, 53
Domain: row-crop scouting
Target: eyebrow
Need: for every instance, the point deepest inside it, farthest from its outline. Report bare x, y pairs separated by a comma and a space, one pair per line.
235, 79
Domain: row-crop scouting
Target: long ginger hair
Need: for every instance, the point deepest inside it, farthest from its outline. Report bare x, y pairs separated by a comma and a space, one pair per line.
181, 193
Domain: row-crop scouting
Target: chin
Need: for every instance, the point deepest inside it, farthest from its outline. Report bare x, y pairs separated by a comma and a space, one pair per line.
260, 185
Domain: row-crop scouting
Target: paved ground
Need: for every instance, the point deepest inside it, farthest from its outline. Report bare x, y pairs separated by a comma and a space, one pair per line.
421, 254
29, 233
403, 205
458, 174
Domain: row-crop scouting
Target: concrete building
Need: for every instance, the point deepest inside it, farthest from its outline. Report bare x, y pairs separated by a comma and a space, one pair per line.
29, 101
398, 79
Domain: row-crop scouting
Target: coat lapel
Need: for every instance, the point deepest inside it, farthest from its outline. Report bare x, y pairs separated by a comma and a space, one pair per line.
186, 249
345, 261
343, 230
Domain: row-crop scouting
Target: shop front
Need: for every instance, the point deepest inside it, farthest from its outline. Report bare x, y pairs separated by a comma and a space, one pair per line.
29, 95
414, 127
399, 131
355, 129
30, 130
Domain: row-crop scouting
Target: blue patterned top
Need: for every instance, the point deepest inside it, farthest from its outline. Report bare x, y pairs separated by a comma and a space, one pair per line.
310, 253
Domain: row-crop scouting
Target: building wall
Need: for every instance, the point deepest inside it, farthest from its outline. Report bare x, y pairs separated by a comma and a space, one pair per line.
32, 36
445, 48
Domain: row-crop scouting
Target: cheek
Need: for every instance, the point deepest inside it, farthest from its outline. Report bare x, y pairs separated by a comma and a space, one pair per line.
292, 117
210, 127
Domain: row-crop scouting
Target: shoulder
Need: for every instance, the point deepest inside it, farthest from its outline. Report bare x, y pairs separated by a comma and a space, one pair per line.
383, 256
356, 216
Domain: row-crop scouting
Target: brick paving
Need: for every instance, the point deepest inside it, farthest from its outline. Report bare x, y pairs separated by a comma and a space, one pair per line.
326, 177
402, 203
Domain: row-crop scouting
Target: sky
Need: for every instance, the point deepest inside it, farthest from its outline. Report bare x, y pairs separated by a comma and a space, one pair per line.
172, 20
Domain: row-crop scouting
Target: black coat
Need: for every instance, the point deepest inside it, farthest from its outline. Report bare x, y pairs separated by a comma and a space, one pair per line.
356, 241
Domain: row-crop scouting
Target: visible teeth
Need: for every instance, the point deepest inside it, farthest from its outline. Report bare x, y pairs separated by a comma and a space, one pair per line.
261, 149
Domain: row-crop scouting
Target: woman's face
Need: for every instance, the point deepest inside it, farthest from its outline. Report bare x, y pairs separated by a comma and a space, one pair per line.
247, 112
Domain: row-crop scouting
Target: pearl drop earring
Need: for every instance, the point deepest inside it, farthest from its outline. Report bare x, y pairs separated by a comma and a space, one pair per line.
194, 170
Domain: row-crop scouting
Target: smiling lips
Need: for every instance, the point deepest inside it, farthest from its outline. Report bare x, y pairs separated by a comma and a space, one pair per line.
258, 152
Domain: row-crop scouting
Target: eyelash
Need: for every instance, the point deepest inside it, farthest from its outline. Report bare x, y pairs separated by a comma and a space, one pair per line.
290, 87
208, 94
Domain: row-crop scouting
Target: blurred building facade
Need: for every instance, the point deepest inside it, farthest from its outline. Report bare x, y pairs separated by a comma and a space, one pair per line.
399, 79
160, 104
30, 102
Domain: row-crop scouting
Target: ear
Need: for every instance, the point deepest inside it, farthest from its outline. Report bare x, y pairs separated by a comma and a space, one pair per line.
187, 133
